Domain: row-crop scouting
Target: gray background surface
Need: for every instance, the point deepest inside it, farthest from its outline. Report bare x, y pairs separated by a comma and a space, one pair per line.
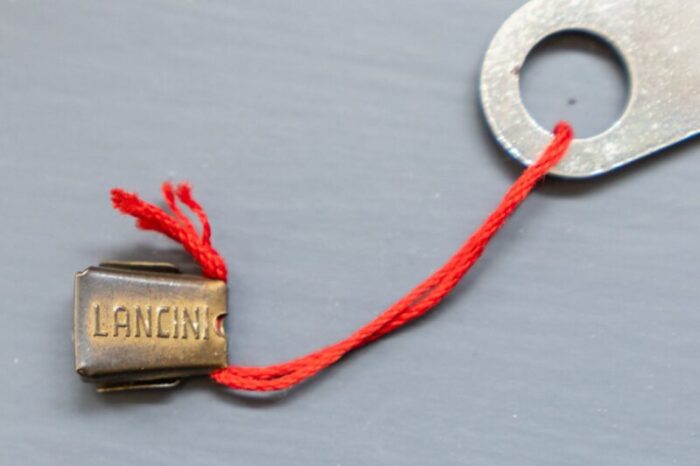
339, 149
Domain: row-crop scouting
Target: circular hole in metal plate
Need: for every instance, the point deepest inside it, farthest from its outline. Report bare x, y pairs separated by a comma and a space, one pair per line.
578, 77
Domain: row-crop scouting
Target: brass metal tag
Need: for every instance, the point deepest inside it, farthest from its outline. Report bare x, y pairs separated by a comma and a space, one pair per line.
145, 325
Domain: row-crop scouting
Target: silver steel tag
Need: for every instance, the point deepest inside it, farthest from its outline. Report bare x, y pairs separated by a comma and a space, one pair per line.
658, 41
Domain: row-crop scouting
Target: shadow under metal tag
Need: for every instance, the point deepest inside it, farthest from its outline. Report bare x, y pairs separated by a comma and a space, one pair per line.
145, 325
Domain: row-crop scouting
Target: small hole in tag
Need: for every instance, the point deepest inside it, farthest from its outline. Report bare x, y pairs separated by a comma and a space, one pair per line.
577, 77
219, 324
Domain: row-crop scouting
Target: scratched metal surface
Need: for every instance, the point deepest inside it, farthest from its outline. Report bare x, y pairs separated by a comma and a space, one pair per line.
658, 42
340, 151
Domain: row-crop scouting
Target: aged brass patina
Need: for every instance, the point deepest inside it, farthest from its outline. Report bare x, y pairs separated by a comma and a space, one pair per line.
145, 325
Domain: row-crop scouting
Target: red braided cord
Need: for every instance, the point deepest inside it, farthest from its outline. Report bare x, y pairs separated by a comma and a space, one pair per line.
176, 226
417, 302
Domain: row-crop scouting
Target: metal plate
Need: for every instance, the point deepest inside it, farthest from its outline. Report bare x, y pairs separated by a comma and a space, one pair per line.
659, 43
147, 326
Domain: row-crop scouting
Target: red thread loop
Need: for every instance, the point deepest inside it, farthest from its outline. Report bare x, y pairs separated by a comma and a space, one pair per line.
416, 303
